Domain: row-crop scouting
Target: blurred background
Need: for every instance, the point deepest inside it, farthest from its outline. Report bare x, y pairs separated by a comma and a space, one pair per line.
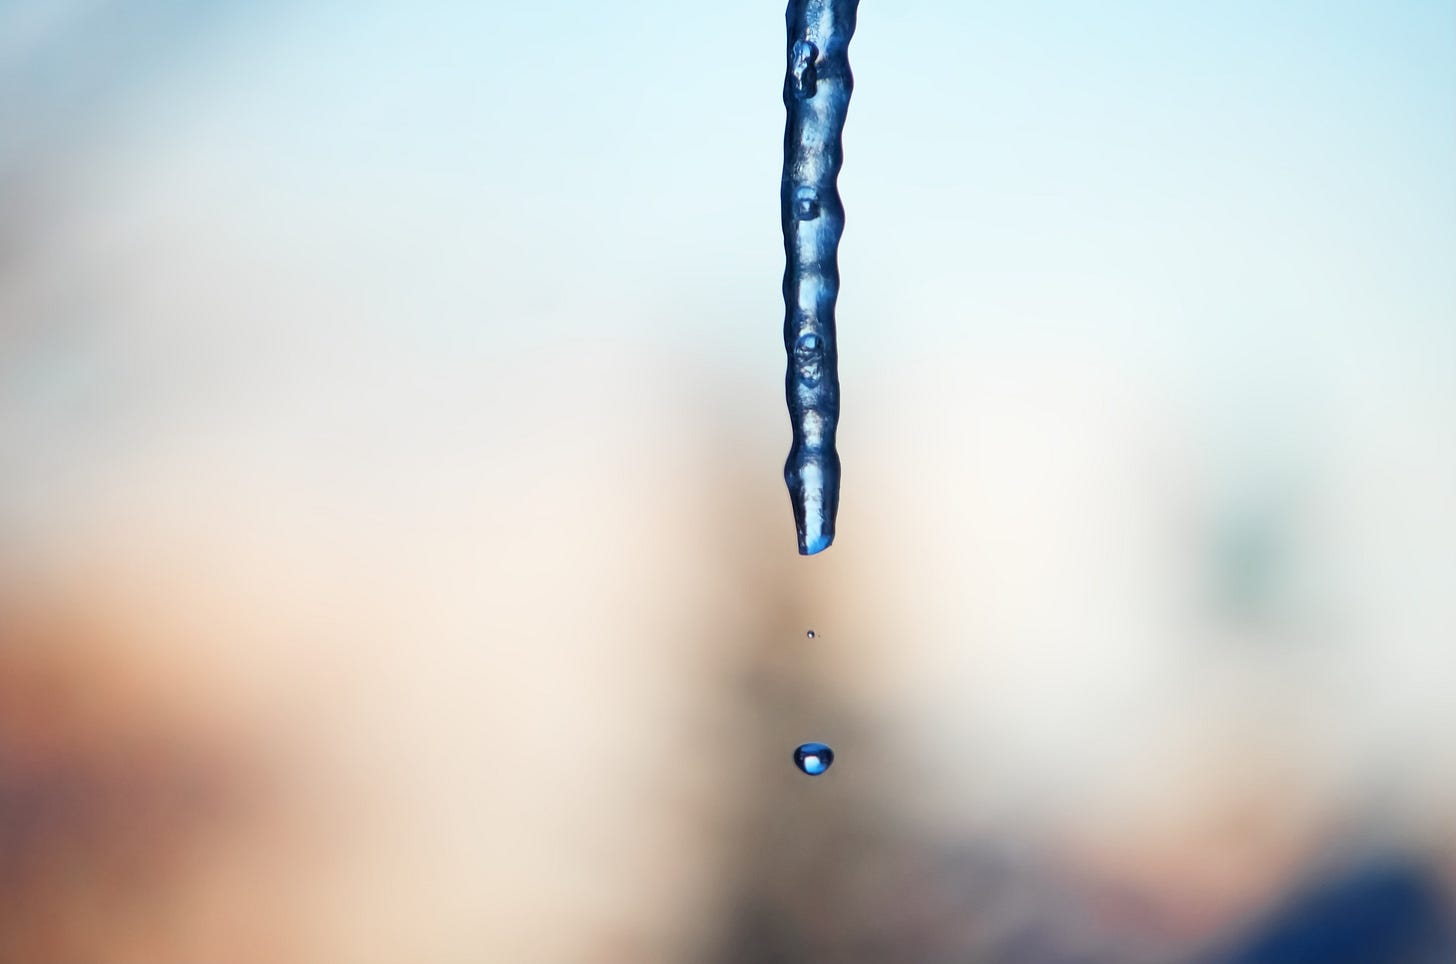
395, 563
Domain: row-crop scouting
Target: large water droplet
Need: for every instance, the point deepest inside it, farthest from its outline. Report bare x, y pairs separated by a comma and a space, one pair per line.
813, 758
811, 634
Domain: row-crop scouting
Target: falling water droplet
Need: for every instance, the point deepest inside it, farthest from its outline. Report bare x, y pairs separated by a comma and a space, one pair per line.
811, 634
813, 758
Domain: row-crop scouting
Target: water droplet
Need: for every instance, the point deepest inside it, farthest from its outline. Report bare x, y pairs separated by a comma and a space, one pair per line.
806, 204
813, 758
811, 634
801, 68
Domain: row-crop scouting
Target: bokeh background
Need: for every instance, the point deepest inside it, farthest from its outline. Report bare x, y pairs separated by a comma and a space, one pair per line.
395, 563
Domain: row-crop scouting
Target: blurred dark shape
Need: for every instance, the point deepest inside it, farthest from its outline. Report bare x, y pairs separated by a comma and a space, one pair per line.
1250, 562
881, 899
105, 799
1385, 911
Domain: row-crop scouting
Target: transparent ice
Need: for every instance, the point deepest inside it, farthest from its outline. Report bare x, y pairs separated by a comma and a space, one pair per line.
817, 86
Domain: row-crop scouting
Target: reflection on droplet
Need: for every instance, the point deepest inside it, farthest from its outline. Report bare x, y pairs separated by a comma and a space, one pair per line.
813, 758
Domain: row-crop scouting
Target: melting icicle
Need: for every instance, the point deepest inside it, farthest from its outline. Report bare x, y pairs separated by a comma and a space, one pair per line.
816, 94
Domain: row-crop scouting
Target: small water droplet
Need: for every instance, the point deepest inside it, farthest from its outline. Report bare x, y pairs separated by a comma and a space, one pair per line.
801, 68
811, 634
813, 758
806, 204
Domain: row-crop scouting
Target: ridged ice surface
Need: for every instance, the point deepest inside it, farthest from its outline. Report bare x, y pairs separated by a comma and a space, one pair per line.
817, 86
